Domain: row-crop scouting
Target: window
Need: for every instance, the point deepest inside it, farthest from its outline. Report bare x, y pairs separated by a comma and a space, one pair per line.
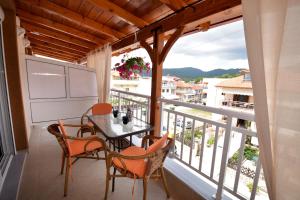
247, 77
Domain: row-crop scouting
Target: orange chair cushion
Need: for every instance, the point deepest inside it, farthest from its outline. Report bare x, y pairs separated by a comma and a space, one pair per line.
77, 146
158, 144
101, 109
137, 167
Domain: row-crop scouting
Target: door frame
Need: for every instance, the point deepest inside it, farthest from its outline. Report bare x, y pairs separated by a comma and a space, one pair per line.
9, 145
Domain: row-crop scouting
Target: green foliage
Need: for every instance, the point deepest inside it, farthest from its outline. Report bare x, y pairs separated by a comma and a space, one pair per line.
250, 153
187, 139
250, 187
113, 101
235, 157
210, 141
228, 76
200, 78
197, 80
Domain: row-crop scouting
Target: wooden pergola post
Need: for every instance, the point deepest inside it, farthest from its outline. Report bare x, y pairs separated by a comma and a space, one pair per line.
158, 54
157, 65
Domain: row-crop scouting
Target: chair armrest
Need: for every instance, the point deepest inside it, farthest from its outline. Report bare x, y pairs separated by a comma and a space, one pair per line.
82, 127
97, 139
85, 115
148, 137
90, 139
80, 138
120, 157
86, 129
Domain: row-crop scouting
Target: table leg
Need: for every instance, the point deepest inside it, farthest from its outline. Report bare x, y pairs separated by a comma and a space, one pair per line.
119, 145
109, 144
130, 144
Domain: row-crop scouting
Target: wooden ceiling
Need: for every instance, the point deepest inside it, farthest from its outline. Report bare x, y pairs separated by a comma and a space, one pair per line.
69, 29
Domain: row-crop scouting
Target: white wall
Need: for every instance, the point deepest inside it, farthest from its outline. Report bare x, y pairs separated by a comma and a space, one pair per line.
57, 90
213, 94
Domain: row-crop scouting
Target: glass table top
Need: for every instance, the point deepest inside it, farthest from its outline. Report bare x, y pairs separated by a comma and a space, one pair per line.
113, 128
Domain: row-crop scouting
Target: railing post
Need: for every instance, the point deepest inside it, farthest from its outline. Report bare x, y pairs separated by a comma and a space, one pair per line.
148, 109
161, 116
224, 158
119, 101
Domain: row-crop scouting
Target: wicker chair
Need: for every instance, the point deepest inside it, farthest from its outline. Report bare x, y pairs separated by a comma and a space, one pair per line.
76, 147
152, 164
97, 109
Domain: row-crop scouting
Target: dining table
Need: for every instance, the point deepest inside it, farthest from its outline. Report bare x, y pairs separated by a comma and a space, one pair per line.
115, 132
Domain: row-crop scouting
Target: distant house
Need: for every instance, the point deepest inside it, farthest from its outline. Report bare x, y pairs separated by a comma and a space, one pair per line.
188, 92
168, 90
122, 84
237, 92
211, 96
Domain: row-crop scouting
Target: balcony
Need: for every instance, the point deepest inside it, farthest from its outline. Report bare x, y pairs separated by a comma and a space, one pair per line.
210, 145
42, 179
238, 105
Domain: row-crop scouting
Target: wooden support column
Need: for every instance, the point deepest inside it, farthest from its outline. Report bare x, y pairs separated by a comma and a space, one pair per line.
158, 54
14, 79
157, 72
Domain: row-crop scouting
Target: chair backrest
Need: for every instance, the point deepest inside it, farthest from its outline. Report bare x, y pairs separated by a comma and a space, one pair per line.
65, 135
54, 130
101, 109
158, 160
160, 143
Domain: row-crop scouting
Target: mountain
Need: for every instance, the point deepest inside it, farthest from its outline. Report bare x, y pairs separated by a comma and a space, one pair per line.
189, 73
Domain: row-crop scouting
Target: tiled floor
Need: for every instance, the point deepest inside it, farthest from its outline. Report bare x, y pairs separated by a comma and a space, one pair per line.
42, 180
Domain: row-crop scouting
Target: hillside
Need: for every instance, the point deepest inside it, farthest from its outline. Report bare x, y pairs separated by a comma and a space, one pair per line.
189, 73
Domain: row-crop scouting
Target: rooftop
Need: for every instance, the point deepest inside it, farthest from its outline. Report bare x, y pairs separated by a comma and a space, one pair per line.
237, 82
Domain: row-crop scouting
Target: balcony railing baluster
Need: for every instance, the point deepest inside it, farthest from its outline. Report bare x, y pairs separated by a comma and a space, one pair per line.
187, 138
238, 170
192, 142
182, 137
202, 146
214, 153
256, 179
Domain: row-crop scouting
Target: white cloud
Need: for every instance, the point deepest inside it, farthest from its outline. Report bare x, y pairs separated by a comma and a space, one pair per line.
222, 47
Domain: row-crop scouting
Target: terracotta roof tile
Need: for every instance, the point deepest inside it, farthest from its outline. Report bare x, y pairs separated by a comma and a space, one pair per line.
237, 82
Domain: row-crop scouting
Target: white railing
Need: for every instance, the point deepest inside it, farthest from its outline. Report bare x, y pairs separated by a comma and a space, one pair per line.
205, 139
139, 103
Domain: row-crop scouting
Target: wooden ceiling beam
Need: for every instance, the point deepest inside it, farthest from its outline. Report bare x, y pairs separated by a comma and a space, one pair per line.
187, 15
76, 18
57, 42
34, 42
55, 51
26, 16
174, 4
54, 34
119, 11
49, 51
56, 47
43, 53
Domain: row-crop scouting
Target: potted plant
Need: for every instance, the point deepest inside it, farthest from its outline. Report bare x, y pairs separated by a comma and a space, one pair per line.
131, 67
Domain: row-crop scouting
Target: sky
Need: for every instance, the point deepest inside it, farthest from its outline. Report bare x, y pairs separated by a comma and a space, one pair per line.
222, 47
